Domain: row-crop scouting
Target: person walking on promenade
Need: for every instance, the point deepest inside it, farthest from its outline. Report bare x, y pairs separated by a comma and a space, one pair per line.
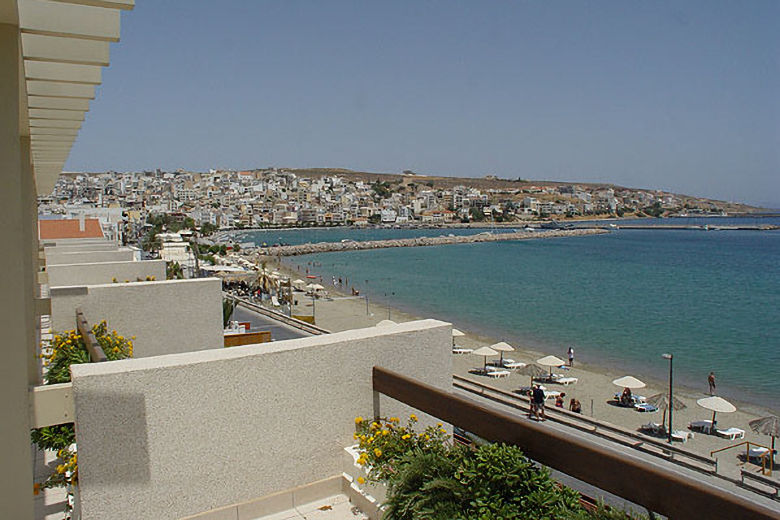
538, 401
711, 382
570, 353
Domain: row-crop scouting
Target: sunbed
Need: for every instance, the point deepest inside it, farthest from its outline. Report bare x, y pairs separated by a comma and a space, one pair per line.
498, 373
731, 433
462, 350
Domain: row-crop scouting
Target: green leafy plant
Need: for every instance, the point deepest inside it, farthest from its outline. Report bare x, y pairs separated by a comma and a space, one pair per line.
428, 477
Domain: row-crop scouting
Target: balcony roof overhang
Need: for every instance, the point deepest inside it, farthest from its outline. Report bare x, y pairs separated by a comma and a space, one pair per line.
64, 45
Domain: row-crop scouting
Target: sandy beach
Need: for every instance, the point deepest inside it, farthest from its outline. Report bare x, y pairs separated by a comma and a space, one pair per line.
594, 388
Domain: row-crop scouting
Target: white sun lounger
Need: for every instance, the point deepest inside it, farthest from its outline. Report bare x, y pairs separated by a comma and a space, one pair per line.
681, 435
566, 380
513, 365
731, 433
498, 373
462, 350
758, 452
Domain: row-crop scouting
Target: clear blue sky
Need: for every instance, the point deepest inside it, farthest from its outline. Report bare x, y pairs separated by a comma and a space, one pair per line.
682, 96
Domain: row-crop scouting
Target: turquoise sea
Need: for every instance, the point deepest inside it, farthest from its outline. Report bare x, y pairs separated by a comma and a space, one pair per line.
621, 299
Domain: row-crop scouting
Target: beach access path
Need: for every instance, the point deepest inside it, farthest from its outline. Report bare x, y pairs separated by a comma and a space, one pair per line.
487, 236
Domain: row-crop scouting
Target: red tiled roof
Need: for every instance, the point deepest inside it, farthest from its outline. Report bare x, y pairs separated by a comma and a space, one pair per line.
68, 228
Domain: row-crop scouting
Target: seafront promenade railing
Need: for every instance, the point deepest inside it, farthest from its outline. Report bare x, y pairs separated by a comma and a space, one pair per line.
659, 490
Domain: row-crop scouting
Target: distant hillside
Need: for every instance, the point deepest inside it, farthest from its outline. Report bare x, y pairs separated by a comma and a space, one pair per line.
493, 183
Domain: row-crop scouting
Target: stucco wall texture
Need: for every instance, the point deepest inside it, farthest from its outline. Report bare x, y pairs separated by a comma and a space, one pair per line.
166, 317
77, 248
104, 272
88, 257
176, 435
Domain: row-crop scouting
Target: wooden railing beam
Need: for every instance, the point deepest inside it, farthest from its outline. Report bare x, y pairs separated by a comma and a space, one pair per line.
658, 489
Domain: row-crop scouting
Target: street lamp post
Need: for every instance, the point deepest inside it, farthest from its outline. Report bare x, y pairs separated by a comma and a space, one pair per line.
670, 406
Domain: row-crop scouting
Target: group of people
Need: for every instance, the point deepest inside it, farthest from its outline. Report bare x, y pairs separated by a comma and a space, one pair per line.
537, 397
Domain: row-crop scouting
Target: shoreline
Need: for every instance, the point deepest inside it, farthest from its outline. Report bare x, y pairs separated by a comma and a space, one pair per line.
350, 312
594, 388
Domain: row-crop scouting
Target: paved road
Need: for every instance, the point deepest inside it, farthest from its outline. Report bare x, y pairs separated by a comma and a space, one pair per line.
279, 331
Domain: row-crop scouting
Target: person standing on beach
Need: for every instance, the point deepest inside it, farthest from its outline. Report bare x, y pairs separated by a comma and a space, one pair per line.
711, 382
570, 353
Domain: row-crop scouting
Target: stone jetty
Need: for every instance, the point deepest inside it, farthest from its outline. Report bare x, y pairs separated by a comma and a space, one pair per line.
350, 245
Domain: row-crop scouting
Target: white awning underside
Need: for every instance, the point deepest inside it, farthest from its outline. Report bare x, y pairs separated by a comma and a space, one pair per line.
65, 43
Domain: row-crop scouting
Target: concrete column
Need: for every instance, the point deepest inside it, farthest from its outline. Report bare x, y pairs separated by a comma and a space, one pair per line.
16, 479
30, 245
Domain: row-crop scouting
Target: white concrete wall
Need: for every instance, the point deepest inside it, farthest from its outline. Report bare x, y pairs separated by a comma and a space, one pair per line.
105, 245
104, 272
176, 435
88, 257
166, 317
51, 242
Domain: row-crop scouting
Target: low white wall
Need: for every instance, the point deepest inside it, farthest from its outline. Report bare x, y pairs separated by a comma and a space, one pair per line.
51, 242
104, 245
88, 257
166, 317
104, 272
176, 435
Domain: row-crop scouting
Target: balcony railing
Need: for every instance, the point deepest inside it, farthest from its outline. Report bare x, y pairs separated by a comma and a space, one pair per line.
657, 489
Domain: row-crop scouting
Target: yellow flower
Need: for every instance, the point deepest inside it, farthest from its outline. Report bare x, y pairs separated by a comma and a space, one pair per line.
361, 480
405, 437
377, 452
413, 417
439, 425
427, 437
394, 419
385, 432
355, 436
358, 420
443, 431
374, 426
60, 469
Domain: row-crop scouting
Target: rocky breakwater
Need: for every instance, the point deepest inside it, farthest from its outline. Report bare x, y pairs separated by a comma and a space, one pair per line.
327, 247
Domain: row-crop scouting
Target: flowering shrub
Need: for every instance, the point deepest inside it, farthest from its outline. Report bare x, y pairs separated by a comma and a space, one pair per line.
428, 476
383, 441
68, 348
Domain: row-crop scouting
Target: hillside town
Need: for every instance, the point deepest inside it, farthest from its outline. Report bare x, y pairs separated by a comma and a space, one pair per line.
228, 199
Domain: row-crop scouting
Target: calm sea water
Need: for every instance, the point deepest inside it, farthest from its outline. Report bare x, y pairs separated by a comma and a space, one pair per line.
622, 299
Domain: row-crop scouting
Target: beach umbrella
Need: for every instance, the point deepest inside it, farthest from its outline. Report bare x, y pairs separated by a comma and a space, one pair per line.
551, 361
502, 347
628, 382
661, 401
716, 404
485, 352
456, 334
533, 371
385, 323
769, 425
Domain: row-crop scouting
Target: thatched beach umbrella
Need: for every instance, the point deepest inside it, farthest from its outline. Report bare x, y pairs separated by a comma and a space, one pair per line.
502, 347
485, 352
769, 425
533, 371
551, 361
385, 323
716, 404
628, 382
661, 401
